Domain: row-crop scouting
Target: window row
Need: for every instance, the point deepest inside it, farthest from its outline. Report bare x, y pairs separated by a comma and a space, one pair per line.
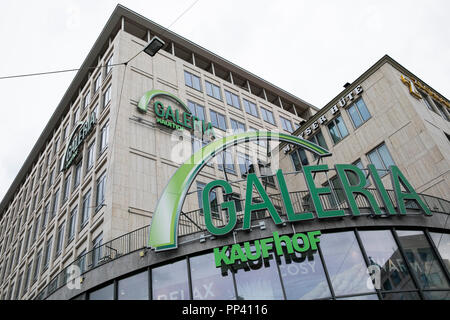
409, 265
233, 100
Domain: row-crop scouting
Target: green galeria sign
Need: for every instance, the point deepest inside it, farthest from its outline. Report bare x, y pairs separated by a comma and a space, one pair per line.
78, 136
351, 191
172, 117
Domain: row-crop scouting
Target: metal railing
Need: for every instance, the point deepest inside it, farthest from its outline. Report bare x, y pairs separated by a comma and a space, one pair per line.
193, 222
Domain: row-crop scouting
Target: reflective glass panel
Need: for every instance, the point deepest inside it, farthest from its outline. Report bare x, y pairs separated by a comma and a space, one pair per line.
345, 263
208, 283
105, 293
401, 296
259, 280
303, 276
422, 259
170, 282
367, 297
134, 287
437, 295
442, 243
382, 251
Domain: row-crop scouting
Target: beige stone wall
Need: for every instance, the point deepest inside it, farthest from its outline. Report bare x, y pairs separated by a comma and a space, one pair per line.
413, 135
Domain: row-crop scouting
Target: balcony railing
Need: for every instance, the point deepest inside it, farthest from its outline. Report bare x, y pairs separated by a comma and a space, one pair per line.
193, 222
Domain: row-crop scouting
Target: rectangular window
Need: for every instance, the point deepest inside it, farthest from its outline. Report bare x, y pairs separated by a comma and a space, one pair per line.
192, 81
225, 159
213, 90
353, 179
286, 124
232, 100
318, 139
337, 128
106, 97
48, 253
250, 108
218, 120
66, 191
18, 287
97, 83
60, 239
441, 110
45, 216
425, 100
358, 113
212, 197
381, 159
86, 208
337, 194
37, 265
100, 199
267, 115
86, 100
104, 136
55, 203
90, 156
109, 65
72, 225
97, 249
65, 132
245, 164
261, 142
266, 174
76, 117
77, 178
299, 159
196, 110
36, 228
237, 126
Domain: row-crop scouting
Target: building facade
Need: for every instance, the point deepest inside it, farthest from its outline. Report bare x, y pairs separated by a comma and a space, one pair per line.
75, 221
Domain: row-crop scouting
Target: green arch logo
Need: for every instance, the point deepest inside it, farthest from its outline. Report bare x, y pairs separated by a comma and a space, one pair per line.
149, 95
164, 226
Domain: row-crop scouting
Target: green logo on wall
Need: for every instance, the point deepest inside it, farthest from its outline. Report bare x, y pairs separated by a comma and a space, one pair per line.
78, 136
173, 118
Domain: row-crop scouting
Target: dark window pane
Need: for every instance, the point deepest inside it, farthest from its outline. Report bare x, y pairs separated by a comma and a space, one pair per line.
134, 287
437, 295
170, 282
422, 259
259, 280
207, 281
383, 252
401, 296
345, 263
442, 243
105, 293
366, 297
304, 277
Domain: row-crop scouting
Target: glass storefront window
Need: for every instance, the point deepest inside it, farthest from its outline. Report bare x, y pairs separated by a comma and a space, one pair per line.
259, 280
105, 293
170, 282
442, 243
134, 287
401, 296
208, 283
303, 276
345, 263
423, 261
382, 251
366, 297
437, 295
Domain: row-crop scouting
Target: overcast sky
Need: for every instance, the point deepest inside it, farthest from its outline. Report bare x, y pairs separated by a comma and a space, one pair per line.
308, 48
